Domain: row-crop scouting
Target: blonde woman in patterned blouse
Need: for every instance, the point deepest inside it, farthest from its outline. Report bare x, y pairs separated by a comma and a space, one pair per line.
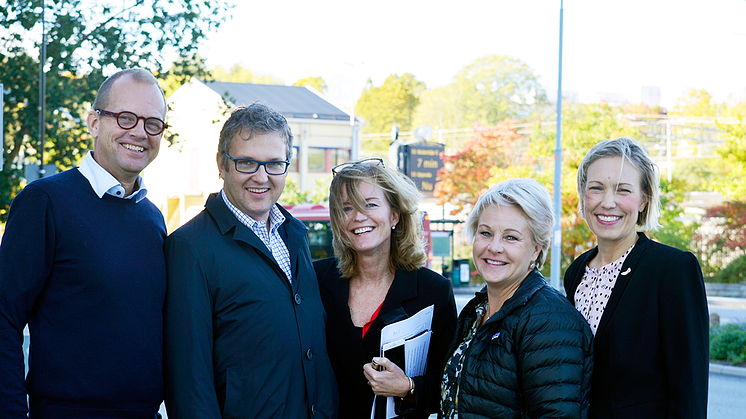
645, 302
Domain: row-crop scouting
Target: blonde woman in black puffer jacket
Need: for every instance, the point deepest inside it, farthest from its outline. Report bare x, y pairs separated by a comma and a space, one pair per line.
520, 350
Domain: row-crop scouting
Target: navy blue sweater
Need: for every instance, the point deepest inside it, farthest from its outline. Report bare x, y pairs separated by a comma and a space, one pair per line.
88, 276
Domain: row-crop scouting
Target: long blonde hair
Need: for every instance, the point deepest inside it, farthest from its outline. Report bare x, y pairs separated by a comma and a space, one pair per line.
407, 246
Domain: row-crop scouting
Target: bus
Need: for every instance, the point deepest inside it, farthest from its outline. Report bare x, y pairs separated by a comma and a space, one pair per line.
316, 219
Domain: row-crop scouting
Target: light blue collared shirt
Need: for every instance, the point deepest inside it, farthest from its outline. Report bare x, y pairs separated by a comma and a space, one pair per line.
103, 182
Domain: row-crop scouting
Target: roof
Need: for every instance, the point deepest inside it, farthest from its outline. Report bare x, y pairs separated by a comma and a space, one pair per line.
297, 102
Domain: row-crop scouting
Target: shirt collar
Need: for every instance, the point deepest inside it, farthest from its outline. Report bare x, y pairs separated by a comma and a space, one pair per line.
276, 218
103, 182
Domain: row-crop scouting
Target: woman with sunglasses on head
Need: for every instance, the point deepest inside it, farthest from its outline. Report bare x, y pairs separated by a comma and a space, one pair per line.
377, 277
645, 301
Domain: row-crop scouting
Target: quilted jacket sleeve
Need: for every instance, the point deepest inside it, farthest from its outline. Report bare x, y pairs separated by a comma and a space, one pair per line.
555, 360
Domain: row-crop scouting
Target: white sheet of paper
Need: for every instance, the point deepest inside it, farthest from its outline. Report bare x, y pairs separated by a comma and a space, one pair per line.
416, 332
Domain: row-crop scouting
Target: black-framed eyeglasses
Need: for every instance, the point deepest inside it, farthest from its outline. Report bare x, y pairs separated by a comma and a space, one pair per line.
273, 167
128, 120
373, 161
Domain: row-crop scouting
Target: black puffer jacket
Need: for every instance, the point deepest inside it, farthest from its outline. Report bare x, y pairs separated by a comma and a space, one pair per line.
531, 359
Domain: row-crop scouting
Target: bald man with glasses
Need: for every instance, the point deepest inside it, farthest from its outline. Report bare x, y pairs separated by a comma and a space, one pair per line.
82, 264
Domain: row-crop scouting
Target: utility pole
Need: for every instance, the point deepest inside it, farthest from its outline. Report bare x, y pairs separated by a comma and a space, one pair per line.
42, 87
557, 239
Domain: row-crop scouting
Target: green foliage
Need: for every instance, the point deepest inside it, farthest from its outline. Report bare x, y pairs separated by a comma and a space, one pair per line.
728, 343
733, 273
86, 41
675, 230
496, 87
181, 71
441, 108
240, 74
316, 82
391, 103
292, 195
734, 153
695, 102
582, 127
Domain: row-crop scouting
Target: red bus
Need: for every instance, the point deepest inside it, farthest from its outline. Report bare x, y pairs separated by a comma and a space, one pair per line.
316, 218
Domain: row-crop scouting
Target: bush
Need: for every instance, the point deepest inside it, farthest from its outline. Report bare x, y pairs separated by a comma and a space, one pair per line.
728, 343
734, 273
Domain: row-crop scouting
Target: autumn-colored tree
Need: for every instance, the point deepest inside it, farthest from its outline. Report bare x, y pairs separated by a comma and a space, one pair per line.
492, 155
317, 83
725, 237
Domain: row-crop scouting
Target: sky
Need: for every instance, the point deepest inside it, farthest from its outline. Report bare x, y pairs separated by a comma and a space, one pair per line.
608, 47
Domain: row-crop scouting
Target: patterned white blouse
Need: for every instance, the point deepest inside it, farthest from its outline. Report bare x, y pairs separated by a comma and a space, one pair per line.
595, 288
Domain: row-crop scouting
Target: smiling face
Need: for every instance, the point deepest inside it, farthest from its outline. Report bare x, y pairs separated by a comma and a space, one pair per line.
613, 201
126, 152
253, 193
503, 247
370, 231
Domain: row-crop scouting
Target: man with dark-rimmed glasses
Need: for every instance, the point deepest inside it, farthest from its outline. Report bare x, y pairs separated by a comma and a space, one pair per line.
244, 323
82, 263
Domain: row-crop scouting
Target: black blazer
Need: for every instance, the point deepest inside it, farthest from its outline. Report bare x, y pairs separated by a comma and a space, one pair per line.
410, 292
652, 344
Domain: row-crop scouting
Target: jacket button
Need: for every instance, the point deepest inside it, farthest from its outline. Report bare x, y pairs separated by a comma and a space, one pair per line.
313, 410
297, 298
309, 354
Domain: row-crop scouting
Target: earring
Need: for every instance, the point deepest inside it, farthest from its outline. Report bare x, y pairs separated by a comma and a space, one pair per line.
393, 227
532, 266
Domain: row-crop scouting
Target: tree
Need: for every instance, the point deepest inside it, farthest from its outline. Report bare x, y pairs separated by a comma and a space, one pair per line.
492, 155
734, 155
496, 87
582, 127
441, 108
727, 236
86, 42
240, 74
696, 102
316, 82
391, 103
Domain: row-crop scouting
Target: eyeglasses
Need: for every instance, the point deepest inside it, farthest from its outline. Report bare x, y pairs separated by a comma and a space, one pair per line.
274, 167
128, 120
365, 162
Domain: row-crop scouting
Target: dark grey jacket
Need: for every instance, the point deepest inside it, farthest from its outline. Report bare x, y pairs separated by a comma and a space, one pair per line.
240, 340
531, 359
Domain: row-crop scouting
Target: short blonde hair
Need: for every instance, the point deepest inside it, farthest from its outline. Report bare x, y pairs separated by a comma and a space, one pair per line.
629, 150
529, 196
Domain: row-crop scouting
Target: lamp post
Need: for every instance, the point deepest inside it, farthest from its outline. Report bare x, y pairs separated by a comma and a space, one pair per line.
42, 87
557, 239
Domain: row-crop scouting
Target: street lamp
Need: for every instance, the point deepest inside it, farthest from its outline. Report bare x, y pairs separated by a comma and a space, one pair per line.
557, 239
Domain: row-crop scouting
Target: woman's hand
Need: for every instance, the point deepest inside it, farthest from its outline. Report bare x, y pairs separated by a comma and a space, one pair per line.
390, 381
